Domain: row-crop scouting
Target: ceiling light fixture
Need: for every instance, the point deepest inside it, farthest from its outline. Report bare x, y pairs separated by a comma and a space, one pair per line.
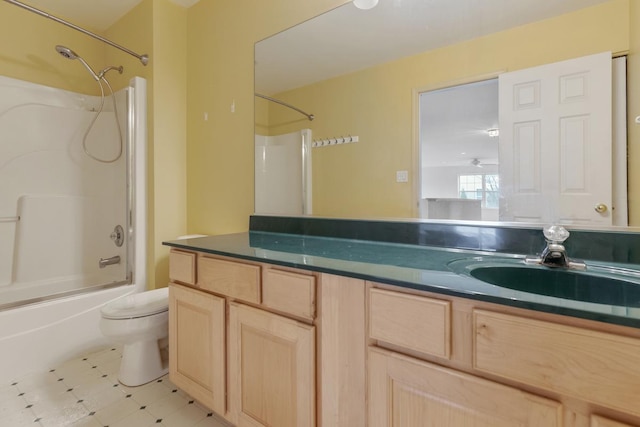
365, 4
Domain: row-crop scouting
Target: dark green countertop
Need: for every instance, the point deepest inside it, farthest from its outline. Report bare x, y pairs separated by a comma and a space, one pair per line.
412, 266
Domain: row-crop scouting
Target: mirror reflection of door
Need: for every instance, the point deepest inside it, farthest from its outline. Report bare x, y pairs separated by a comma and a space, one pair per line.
459, 152
556, 149
560, 151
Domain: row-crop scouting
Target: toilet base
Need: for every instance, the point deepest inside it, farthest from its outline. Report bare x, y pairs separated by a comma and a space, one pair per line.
142, 362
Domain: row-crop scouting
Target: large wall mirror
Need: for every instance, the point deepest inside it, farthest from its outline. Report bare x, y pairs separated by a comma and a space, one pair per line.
450, 110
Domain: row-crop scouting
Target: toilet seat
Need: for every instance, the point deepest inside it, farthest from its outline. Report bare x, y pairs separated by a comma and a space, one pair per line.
138, 305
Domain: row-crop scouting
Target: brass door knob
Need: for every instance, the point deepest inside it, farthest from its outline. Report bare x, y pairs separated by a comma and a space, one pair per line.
601, 208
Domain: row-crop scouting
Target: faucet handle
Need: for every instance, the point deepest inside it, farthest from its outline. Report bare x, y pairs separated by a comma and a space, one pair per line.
555, 233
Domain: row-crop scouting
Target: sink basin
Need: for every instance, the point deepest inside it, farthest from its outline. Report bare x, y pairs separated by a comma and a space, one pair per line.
596, 285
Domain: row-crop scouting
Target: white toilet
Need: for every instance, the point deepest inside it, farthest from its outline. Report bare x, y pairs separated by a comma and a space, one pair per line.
141, 323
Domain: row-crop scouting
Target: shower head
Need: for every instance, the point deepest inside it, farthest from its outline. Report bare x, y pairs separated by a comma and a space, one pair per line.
66, 52
69, 54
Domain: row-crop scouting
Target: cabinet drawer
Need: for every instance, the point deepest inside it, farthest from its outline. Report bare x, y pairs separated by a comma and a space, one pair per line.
182, 267
233, 279
597, 367
413, 322
289, 292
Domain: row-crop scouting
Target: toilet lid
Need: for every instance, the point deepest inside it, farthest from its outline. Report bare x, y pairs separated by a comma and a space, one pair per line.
137, 305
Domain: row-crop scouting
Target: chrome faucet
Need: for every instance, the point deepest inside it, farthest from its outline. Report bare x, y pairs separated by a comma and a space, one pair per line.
109, 261
555, 254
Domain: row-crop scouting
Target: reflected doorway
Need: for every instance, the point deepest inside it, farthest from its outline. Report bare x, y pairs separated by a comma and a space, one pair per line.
549, 128
459, 140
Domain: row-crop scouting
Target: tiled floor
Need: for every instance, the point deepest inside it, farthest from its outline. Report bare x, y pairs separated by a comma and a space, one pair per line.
85, 392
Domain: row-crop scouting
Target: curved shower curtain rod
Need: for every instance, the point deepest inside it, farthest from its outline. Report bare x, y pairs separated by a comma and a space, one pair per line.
277, 101
143, 58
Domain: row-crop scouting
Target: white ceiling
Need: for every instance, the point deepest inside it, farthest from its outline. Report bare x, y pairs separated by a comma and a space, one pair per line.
454, 123
348, 39
92, 14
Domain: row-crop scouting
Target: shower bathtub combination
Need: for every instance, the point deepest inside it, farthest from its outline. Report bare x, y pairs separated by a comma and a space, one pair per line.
72, 216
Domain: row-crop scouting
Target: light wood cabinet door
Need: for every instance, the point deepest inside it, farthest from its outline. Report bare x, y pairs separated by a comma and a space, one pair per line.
196, 345
406, 392
271, 369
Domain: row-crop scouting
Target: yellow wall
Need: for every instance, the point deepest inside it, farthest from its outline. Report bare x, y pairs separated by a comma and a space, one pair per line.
170, 131
221, 35
158, 28
27, 51
134, 31
358, 180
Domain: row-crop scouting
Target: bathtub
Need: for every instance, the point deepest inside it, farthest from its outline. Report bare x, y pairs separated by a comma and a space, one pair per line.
39, 332
37, 337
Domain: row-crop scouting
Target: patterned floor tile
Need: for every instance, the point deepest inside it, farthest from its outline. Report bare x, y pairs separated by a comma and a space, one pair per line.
85, 392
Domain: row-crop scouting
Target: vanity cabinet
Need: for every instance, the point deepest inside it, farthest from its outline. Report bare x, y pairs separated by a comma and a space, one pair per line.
267, 346
259, 368
459, 362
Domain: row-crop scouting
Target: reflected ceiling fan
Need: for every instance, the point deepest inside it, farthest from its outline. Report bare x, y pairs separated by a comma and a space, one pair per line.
479, 163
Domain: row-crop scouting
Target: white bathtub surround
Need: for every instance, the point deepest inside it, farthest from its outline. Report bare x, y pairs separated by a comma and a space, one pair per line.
283, 178
84, 392
66, 206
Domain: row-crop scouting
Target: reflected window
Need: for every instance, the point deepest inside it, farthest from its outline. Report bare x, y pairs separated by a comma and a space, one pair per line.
483, 187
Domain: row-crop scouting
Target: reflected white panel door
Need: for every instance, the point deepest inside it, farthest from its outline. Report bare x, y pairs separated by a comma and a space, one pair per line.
555, 142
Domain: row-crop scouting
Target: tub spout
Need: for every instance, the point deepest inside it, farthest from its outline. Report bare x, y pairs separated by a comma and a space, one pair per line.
109, 261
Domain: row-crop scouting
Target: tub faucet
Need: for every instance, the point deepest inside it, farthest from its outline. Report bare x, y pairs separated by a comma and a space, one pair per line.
555, 254
109, 261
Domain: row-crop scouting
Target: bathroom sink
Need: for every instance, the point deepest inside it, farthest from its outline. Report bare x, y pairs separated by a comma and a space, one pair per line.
596, 285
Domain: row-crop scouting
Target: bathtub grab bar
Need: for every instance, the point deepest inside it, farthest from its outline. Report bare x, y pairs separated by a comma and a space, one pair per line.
9, 218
